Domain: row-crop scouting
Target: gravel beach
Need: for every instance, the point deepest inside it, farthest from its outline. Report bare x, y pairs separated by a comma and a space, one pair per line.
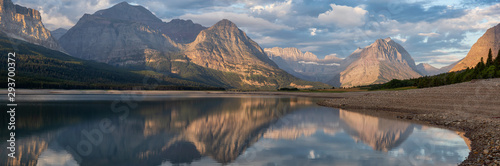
472, 107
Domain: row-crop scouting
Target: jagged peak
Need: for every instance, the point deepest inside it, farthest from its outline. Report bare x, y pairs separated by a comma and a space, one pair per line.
387, 39
225, 23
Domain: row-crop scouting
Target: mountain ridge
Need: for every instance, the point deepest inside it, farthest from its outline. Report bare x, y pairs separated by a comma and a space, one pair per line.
221, 55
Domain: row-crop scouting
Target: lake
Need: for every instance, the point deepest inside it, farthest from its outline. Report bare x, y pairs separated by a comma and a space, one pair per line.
240, 130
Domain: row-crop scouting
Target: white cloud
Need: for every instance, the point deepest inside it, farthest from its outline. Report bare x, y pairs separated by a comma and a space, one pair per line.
313, 31
55, 21
263, 40
344, 16
432, 34
57, 13
400, 38
279, 9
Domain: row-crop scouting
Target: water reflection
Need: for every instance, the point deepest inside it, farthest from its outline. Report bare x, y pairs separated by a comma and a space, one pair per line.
223, 130
380, 134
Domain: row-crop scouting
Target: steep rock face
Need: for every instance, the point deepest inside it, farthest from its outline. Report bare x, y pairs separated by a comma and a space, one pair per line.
224, 47
379, 62
119, 36
306, 65
25, 24
58, 33
489, 40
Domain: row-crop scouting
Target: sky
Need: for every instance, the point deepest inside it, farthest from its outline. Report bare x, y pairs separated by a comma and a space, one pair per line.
438, 32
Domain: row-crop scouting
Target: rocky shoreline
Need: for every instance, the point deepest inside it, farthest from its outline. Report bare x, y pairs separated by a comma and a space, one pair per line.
471, 107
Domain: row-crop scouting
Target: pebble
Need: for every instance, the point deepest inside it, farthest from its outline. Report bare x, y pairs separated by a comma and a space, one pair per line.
486, 151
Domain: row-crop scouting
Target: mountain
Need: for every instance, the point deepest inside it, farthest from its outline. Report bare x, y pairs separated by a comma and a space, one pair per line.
220, 56
428, 70
377, 63
25, 24
46, 68
180, 31
306, 65
58, 33
489, 40
120, 36
224, 47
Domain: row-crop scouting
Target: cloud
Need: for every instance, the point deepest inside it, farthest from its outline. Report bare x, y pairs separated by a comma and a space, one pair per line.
55, 21
243, 21
432, 34
263, 40
279, 9
344, 16
313, 31
57, 13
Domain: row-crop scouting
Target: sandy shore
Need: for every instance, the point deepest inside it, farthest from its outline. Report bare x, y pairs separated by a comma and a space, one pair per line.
472, 107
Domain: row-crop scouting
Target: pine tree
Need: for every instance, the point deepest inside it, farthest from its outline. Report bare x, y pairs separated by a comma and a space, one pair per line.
489, 61
497, 59
480, 65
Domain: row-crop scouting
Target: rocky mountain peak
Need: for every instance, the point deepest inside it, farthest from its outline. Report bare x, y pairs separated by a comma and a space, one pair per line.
125, 11
379, 62
226, 39
388, 39
25, 24
225, 24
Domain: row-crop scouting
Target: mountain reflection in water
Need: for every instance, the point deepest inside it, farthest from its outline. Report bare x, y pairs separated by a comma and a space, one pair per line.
222, 130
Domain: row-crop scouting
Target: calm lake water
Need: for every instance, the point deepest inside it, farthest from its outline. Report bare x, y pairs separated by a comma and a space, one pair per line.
216, 130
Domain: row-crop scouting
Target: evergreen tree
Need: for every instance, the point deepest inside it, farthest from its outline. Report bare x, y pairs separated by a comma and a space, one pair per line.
497, 59
489, 61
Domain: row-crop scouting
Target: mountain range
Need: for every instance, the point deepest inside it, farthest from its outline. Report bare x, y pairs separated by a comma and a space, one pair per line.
221, 55
132, 39
377, 63
306, 65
